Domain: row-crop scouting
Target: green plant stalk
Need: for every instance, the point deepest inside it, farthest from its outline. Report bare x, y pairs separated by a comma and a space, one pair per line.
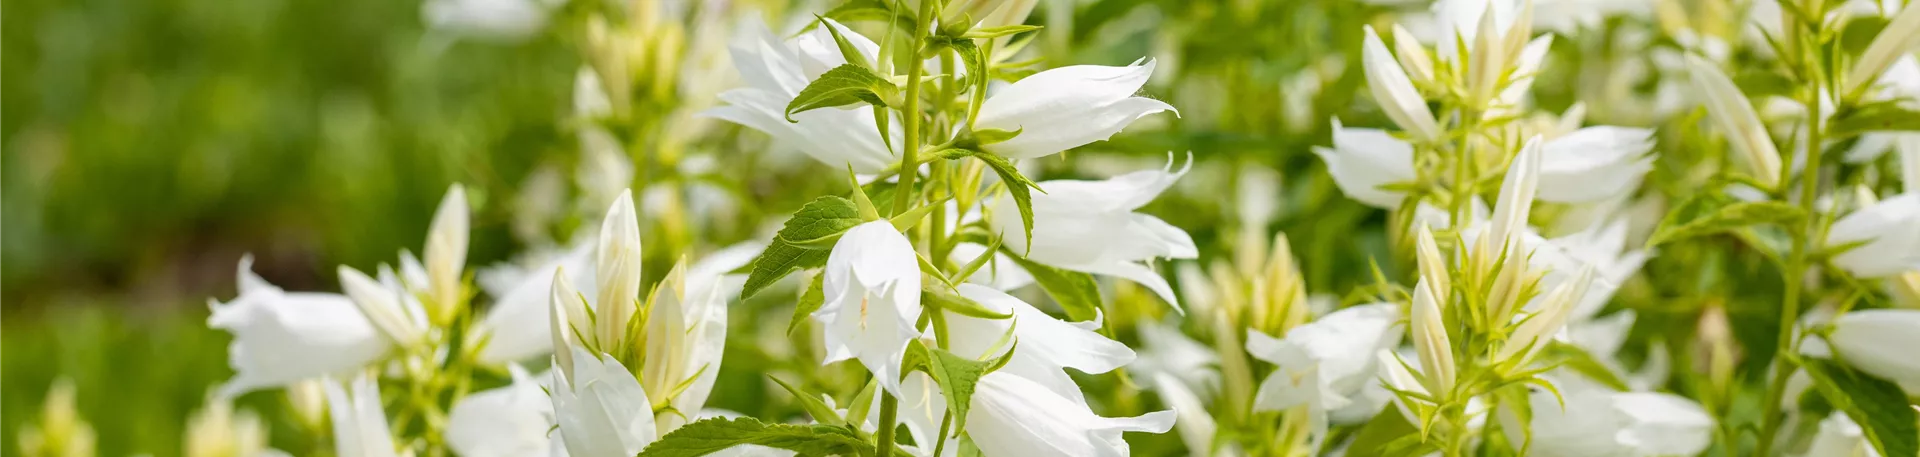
889, 408
909, 159
1795, 274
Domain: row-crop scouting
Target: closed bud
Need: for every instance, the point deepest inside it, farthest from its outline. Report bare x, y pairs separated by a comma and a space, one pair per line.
617, 272
1413, 58
1394, 91
382, 305
1735, 117
1431, 340
447, 254
1893, 41
1534, 332
1433, 267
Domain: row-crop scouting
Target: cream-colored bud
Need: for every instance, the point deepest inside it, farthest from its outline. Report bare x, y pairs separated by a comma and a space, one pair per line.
1893, 41
1413, 58
447, 254
1431, 341
563, 302
617, 271
1394, 91
1433, 267
1533, 333
1735, 117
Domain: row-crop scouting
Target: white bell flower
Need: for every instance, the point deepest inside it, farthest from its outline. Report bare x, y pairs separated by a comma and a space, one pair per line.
1887, 229
507, 421
1046, 344
1362, 160
1091, 227
776, 71
359, 425
872, 288
1839, 436
1596, 422
1323, 363
1594, 164
1066, 107
1879, 341
1012, 415
600, 409
283, 337
515, 327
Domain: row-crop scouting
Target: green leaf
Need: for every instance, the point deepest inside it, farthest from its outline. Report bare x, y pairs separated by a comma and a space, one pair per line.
819, 224
779, 260
950, 300
861, 10
717, 434
991, 136
1707, 215
847, 51
1876, 404
810, 301
1577, 359
1018, 186
906, 220
844, 85
1076, 292
812, 404
1876, 117
956, 375
996, 32
1384, 428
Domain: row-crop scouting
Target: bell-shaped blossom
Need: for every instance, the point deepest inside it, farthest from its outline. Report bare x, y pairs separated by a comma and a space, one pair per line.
1394, 91
1879, 342
872, 292
776, 71
359, 425
1591, 421
281, 337
507, 421
1594, 164
1063, 108
1011, 415
1091, 227
1363, 160
1736, 118
515, 327
1888, 237
1322, 363
1839, 436
1047, 344
600, 409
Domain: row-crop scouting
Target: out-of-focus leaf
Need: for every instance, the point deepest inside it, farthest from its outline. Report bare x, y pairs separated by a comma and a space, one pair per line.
1876, 404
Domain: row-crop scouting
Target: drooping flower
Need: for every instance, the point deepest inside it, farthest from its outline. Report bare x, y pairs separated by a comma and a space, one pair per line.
775, 72
1012, 415
282, 337
1323, 363
1363, 160
359, 425
507, 421
1091, 227
1889, 242
1879, 342
1591, 421
872, 288
515, 327
1066, 107
1594, 164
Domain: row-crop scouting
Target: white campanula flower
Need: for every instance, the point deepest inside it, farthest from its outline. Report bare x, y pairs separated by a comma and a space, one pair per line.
1063, 108
686, 336
1591, 421
1839, 436
872, 292
1165, 350
600, 409
1091, 227
1394, 91
1594, 164
507, 421
1046, 344
1603, 248
1879, 342
1195, 426
1012, 415
493, 20
282, 337
776, 71
359, 425
1890, 241
1363, 160
1321, 364
515, 327
1736, 118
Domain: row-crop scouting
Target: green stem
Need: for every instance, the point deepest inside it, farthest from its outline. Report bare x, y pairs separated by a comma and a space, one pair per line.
889, 408
909, 159
1795, 274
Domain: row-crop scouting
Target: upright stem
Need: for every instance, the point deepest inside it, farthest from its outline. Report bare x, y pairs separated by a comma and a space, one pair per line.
889, 408
909, 159
1795, 273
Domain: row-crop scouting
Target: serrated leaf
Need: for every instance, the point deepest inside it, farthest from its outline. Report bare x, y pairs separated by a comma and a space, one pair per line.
1876, 117
779, 260
717, 434
1076, 292
1706, 216
957, 376
1878, 405
813, 405
844, 85
950, 300
819, 224
810, 301
996, 32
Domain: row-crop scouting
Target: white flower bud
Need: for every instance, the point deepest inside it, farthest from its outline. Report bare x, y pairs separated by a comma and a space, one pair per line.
1533, 333
447, 253
1394, 91
382, 305
1890, 241
617, 272
1736, 119
1894, 41
1431, 341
